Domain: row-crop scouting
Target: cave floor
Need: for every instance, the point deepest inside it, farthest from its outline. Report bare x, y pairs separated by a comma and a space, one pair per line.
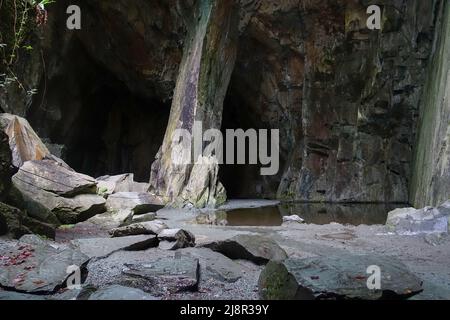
427, 259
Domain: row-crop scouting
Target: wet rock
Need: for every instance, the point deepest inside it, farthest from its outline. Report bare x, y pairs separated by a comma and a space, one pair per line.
218, 218
293, 218
409, 221
215, 264
133, 201
34, 265
24, 143
118, 292
165, 275
101, 247
255, 248
108, 185
342, 276
150, 227
173, 239
52, 177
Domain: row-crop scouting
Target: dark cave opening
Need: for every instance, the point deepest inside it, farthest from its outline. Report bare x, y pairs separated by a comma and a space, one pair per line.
245, 181
94, 122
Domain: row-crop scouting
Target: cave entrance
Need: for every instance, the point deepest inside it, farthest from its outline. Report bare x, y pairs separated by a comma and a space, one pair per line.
95, 123
245, 181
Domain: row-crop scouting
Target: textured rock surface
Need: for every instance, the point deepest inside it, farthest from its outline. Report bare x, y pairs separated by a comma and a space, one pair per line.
120, 183
23, 140
34, 265
336, 277
250, 247
204, 74
166, 274
149, 227
52, 193
135, 202
117, 292
346, 99
101, 247
173, 239
410, 221
431, 174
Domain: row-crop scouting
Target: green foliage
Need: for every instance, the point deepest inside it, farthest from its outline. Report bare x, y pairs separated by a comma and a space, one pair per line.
17, 20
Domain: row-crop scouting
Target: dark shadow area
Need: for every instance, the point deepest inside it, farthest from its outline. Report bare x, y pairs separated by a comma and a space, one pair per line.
94, 122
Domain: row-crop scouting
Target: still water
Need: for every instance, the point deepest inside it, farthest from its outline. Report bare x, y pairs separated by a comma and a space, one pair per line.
314, 213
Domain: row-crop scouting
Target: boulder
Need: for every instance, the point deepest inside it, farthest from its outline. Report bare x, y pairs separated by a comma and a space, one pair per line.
24, 143
51, 176
410, 221
118, 292
293, 218
340, 276
144, 217
255, 248
133, 201
165, 275
215, 264
34, 265
102, 247
108, 185
173, 239
150, 227
52, 193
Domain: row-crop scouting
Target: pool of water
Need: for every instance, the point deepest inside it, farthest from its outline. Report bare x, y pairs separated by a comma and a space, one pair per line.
314, 213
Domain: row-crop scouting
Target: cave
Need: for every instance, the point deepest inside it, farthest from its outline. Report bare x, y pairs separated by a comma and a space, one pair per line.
94, 122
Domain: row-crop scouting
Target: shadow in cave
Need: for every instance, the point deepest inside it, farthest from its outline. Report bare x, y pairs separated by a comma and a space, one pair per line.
244, 181
95, 123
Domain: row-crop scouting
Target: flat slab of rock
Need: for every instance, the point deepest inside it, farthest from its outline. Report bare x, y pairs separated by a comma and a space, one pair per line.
101, 247
118, 292
410, 221
255, 248
134, 201
216, 264
144, 217
166, 275
150, 227
293, 218
173, 239
56, 202
120, 183
48, 175
33, 265
342, 276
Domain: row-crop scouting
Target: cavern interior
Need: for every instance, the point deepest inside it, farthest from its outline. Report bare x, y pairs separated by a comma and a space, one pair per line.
353, 95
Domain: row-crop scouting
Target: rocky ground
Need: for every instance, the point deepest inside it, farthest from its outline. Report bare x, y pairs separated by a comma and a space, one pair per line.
114, 266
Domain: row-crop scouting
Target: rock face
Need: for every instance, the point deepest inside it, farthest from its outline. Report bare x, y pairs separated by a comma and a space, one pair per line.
254, 248
336, 277
52, 193
204, 74
345, 98
120, 183
431, 172
33, 265
410, 221
23, 140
